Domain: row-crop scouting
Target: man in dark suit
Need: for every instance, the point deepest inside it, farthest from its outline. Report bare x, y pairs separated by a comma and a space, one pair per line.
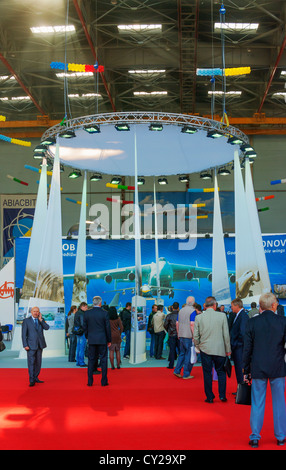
97, 330
237, 331
34, 342
263, 360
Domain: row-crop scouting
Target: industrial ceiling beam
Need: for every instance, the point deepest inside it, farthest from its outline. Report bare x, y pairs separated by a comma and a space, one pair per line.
89, 40
272, 75
12, 71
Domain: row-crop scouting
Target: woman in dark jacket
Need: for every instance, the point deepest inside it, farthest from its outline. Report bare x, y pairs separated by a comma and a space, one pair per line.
116, 331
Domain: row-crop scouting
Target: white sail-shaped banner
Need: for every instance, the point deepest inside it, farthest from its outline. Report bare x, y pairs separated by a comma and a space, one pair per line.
34, 256
248, 282
50, 284
256, 229
35, 247
80, 280
220, 278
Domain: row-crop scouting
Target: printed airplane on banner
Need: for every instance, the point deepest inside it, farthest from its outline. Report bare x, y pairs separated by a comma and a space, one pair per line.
168, 272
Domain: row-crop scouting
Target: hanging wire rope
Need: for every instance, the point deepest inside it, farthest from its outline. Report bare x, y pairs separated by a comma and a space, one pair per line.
222, 12
66, 87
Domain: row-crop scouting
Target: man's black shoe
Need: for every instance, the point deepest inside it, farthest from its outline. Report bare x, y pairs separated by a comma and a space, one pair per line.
253, 443
209, 401
32, 384
280, 443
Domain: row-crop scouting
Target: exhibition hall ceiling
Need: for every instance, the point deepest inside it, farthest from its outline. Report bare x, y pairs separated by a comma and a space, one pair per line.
150, 50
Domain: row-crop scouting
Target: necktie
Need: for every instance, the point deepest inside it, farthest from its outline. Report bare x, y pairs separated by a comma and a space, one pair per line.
36, 323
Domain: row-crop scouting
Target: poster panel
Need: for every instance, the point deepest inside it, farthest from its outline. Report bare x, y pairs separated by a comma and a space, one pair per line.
110, 268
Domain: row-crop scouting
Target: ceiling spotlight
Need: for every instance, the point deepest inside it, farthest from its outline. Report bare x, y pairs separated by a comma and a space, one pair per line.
223, 171
140, 181
92, 129
206, 175
75, 174
122, 127
162, 181
96, 177
250, 153
116, 180
67, 134
38, 155
215, 134
156, 127
235, 141
41, 148
189, 130
183, 178
49, 141
246, 148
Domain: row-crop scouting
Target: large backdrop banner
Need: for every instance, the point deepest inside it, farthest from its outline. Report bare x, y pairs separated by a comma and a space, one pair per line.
110, 266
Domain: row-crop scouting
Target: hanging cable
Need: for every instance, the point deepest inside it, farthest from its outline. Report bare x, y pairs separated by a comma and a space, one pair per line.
222, 17
66, 92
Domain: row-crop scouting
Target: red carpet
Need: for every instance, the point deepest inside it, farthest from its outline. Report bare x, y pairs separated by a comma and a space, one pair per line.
143, 409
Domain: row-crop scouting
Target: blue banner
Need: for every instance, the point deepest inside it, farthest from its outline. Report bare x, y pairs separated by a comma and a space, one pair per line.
110, 268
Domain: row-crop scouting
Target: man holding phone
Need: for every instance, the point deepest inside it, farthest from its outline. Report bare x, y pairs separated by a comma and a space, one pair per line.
34, 342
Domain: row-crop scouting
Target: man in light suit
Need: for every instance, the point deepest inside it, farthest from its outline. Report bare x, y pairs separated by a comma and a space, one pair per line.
263, 360
211, 337
34, 342
96, 325
237, 332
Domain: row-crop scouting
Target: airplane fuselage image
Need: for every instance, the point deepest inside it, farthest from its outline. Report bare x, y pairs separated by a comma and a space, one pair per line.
169, 273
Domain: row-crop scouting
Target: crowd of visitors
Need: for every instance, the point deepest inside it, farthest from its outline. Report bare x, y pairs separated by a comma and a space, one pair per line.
255, 341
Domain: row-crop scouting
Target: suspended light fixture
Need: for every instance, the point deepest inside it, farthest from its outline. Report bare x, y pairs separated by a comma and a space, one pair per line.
67, 134
155, 126
96, 177
116, 180
223, 171
122, 127
189, 130
75, 174
206, 175
49, 141
92, 129
215, 134
162, 181
250, 153
140, 181
235, 141
183, 178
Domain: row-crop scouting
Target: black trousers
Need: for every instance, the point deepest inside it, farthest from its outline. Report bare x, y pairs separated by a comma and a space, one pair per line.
207, 364
95, 351
159, 343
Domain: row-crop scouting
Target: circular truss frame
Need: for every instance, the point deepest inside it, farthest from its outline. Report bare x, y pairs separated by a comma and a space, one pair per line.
141, 117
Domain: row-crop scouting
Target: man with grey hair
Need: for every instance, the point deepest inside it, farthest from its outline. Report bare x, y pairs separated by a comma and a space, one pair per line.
263, 361
184, 332
211, 337
97, 331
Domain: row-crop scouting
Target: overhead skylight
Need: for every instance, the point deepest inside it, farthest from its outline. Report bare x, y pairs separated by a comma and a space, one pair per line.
85, 95
74, 74
228, 93
280, 95
7, 77
146, 72
237, 27
15, 98
149, 93
139, 28
52, 29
